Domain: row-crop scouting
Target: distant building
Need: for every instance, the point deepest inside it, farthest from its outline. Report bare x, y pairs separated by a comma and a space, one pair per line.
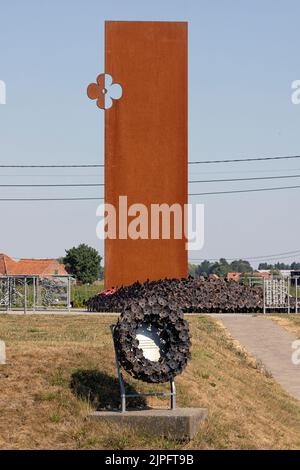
30, 267
268, 272
236, 276
263, 273
285, 272
295, 277
233, 276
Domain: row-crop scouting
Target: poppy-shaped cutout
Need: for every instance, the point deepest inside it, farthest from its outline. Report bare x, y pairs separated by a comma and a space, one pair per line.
104, 91
150, 324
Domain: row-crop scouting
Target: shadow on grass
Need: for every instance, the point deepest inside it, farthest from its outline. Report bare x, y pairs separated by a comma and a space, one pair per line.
102, 390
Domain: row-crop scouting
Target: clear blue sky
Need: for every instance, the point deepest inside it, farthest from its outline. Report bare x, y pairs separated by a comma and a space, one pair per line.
243, 57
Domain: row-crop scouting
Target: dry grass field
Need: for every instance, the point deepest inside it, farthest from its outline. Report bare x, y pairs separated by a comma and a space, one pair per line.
61, 367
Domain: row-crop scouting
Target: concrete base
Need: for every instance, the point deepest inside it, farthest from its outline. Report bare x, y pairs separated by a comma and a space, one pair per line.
181, 423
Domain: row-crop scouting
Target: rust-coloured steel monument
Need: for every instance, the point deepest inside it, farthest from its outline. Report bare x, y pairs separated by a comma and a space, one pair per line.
145, 141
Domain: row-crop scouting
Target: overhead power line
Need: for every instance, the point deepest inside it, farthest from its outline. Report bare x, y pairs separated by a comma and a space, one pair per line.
75, 185
254, 258
96, 165
67, 175
66, 185
231, 171
253, 178
275, 254
190, 194
53, 166
243, 191
241, 160
52, 199
71, 185
261, 260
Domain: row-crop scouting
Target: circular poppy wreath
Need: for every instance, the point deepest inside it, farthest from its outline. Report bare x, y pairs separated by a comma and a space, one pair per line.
172, 331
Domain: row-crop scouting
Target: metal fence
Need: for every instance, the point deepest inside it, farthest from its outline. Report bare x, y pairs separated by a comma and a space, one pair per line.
294, 293
280, 293
34, 293
277, 294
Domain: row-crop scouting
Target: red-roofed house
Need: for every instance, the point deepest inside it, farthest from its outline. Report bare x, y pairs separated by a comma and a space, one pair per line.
31, 267
233, 276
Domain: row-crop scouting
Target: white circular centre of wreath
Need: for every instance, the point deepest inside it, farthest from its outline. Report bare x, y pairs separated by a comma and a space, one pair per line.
149, 342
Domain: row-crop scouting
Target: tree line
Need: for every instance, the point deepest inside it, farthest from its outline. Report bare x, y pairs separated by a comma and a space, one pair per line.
222, 267
277, 266
84, 263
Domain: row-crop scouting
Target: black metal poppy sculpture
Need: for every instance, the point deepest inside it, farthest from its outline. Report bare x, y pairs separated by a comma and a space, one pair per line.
163, 323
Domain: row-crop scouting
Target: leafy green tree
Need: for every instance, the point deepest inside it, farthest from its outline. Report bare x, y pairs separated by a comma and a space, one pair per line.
221, 267
204, 269
265, 266
84, 263
241, 266
192, 269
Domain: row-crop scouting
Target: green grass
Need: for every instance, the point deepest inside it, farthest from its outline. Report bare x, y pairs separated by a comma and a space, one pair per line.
81, 293
293, 291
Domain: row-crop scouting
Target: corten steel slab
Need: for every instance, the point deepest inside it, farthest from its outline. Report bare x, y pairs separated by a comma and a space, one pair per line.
146, 141
181, 423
